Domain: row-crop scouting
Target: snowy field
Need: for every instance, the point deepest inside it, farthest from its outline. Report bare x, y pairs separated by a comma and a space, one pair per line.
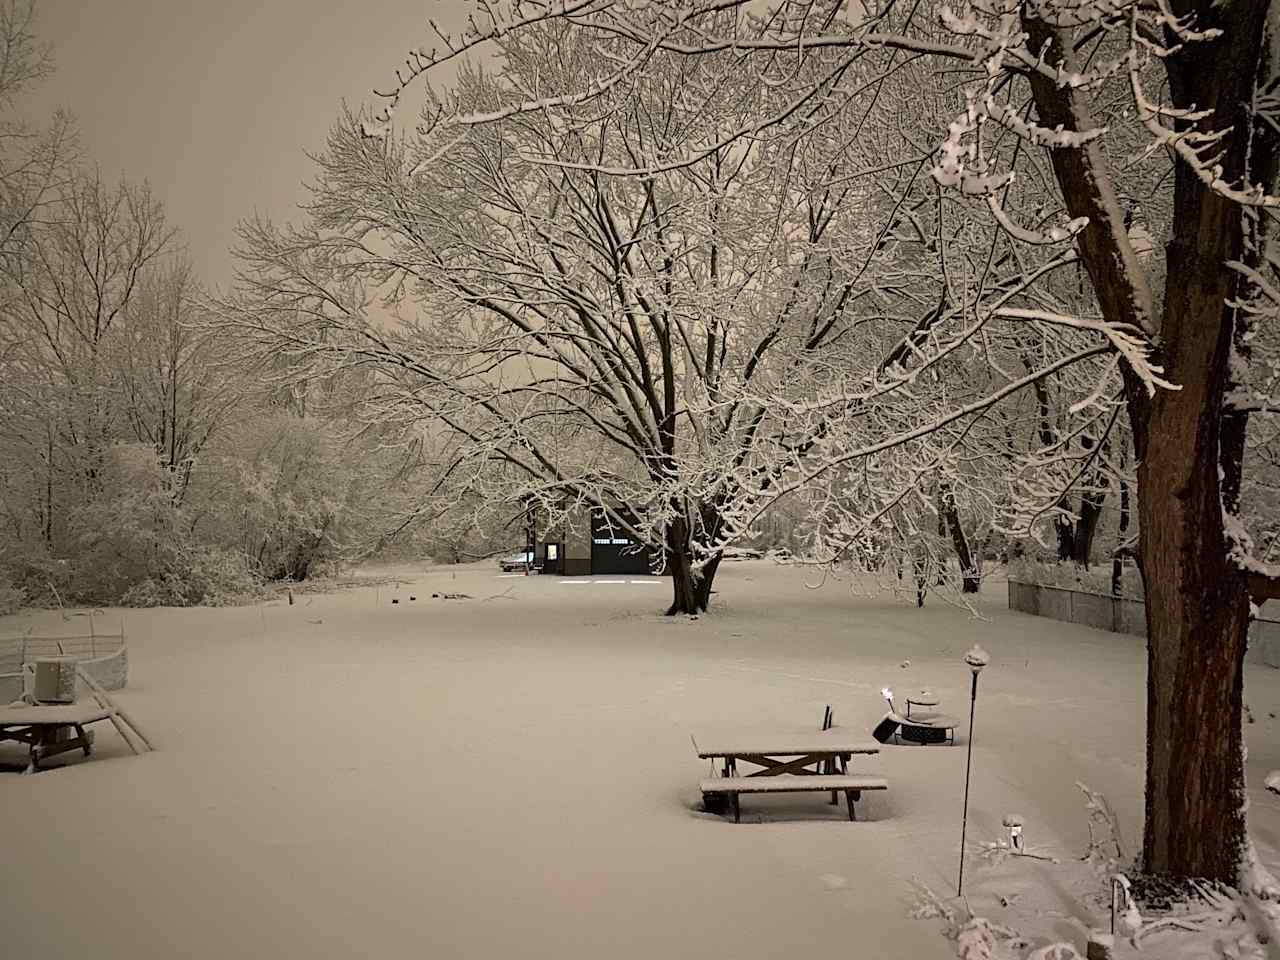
513, 777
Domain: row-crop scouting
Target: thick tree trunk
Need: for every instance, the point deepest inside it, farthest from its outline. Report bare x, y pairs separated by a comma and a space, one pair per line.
1197, 598
972, 583
1086, 527
684, 583
684, 590
1066, 538
690, 591
1197, 621
1197, 602
703, 590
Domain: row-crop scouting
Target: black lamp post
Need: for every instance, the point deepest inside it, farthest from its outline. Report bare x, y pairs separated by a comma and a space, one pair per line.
976, 658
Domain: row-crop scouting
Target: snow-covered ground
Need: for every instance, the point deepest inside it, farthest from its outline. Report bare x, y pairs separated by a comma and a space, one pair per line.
513, 777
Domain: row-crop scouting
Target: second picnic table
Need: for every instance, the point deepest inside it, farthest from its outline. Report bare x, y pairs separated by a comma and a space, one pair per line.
813, 762
44, 728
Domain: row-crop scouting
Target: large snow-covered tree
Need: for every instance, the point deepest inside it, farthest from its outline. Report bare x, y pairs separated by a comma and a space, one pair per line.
66, 295
555, 327
1172, 104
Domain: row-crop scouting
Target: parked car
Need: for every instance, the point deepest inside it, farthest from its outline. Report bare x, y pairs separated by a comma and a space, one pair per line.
519, 561
741, 553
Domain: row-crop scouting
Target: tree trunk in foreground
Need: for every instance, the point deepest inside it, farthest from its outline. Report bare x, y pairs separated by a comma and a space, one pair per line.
1197, 603
1197, 600
1189, 463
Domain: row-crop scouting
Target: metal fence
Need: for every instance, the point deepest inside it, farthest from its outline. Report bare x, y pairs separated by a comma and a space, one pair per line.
103, 656
1123, 615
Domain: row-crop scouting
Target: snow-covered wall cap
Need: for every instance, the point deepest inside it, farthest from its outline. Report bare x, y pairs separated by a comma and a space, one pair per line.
977, 658
1012, 820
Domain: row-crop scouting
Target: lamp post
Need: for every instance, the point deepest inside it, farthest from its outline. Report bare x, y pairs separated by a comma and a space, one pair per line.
976, 658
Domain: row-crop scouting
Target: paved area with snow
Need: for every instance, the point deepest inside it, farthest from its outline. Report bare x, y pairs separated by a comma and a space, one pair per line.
511, 775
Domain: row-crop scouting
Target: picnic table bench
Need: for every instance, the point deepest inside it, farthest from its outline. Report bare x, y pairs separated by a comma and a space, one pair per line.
45, 728
813, 763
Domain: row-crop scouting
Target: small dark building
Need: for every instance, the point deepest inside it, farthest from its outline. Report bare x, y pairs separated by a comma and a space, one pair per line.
613, 550
587, 546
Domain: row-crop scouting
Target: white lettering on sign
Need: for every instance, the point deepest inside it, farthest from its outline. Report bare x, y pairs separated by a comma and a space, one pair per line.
612, 541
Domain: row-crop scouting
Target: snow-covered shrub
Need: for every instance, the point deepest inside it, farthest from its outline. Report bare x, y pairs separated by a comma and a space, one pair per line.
279, 492
28, 566
11, 597
209, 577
129, 532
132, 544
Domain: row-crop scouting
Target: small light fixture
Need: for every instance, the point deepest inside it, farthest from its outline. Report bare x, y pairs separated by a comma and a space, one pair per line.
1014, 823
888, 695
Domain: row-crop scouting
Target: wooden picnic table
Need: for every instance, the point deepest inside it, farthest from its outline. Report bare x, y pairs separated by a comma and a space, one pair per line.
805, 762
44, 728
767, 750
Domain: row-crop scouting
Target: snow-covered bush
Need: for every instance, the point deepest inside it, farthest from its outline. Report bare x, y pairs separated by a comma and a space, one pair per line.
279, 492
27, 568
11, 597
207, 576
132, 544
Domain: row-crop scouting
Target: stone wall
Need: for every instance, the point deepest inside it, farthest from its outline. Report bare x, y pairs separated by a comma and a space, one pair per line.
1123, 615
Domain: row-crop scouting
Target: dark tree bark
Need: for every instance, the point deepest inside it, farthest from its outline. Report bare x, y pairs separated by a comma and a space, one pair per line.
684, 598
1091, 501
1086, 527
690, 591
1197, 600
703, 590
1117, 559
972, 583
918, 574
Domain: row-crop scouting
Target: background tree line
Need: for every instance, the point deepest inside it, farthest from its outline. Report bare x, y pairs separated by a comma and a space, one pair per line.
137, 465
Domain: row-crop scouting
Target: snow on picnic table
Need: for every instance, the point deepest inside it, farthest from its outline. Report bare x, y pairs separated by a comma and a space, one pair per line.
514, 777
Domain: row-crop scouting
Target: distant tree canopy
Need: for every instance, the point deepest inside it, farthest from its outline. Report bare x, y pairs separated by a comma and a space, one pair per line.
137, 464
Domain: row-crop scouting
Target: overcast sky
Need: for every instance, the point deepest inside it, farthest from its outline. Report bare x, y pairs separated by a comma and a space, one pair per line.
214, 101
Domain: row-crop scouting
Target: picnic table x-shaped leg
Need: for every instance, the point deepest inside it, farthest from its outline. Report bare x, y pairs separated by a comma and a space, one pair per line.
773, 767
